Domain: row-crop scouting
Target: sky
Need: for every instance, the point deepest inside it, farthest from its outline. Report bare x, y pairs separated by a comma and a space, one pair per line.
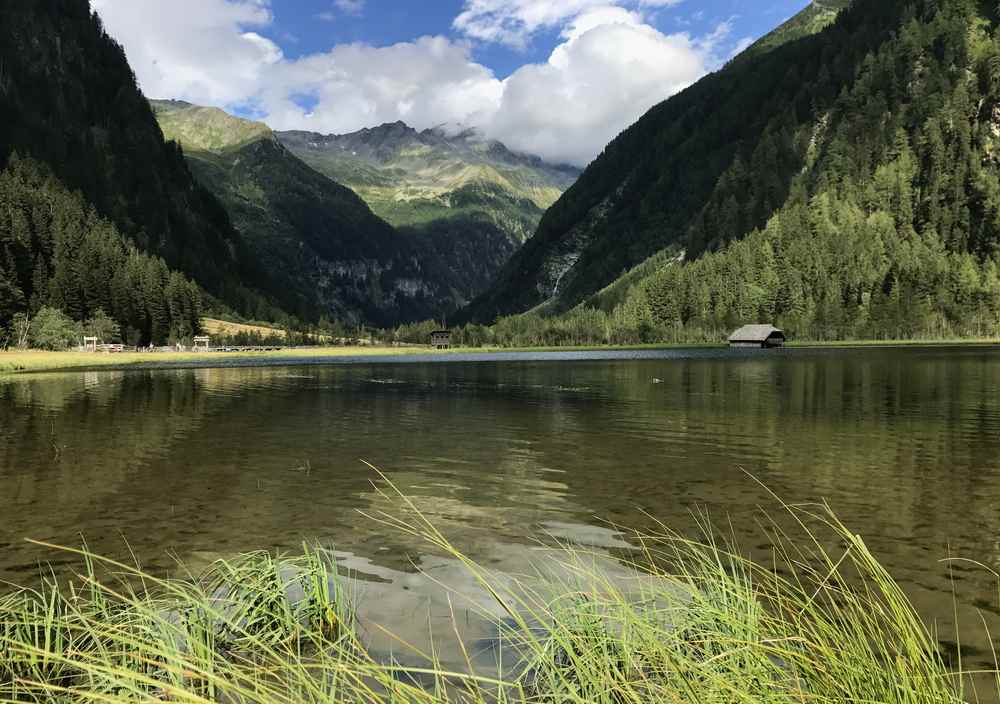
557, 78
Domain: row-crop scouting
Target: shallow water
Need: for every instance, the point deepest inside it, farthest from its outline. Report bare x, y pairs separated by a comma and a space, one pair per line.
500, 449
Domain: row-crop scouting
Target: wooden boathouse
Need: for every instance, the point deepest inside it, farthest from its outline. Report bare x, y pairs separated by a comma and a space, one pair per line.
758, 336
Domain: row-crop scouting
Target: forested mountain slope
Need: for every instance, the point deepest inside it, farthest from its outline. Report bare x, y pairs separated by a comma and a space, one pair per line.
69, 105
846, 184
330, 254
715, 162
816, 17
435, 180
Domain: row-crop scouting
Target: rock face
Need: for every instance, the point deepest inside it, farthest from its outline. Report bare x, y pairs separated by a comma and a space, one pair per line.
331, 255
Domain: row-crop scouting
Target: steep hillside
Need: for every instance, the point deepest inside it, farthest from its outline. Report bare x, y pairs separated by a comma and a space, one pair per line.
418, 180
816, 17
56, 252
645, 190
844, 184
202, 129
330, 254
69, 101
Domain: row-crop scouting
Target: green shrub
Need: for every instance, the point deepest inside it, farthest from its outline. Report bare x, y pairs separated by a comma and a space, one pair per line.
51, 329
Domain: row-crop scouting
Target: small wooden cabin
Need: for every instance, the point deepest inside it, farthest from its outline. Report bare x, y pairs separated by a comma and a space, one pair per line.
441, 339
758, 336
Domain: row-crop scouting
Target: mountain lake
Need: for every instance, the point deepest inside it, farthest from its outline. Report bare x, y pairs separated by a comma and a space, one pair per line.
507, 452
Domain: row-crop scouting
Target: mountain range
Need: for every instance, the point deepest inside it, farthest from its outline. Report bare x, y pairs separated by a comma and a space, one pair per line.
461, 207
421, 180
175, 190
330, 255
840, 177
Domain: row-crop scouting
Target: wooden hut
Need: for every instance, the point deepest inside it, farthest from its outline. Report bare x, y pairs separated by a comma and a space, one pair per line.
758, 336
441, 339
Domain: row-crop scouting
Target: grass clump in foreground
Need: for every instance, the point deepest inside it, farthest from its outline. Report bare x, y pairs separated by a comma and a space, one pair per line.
707, 626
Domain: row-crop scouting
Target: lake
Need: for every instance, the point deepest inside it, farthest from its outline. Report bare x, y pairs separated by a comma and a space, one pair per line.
502, 450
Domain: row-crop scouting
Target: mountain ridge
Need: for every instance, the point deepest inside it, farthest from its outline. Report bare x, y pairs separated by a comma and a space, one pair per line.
409, 176
814, 18
201, 128
332, 254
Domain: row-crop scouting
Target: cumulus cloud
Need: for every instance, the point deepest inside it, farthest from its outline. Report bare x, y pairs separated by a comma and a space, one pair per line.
599, 81
610, 67
425, 82
203, 50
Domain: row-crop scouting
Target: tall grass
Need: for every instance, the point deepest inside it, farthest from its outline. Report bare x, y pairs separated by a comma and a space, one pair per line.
694, 622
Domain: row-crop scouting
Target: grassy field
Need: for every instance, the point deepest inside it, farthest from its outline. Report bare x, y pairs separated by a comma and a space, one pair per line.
36, 361
814, 627
18, 361
221, 328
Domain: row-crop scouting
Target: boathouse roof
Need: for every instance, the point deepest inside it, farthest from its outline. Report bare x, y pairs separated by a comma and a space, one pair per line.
755, 333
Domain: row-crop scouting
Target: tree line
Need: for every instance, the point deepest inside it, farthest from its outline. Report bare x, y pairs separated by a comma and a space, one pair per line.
57, 254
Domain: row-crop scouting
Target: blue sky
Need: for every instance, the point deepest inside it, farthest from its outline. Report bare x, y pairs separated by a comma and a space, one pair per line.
308, 26
557, 78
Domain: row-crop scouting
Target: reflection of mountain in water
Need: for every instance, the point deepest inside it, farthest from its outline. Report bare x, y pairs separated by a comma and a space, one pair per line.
101, 455
439, 605
903, 443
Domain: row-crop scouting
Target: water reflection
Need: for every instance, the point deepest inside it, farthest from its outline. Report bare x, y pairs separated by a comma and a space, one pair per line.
905, 445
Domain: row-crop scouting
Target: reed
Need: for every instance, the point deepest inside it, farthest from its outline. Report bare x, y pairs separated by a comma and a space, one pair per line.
822, 622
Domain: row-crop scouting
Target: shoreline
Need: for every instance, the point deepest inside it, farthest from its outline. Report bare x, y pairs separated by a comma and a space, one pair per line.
14, 363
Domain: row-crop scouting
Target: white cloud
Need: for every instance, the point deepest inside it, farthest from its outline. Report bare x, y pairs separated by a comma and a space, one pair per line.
609, 69
354, 8
513, 22
424, 82
598, 16
592, 87
741, 46
202, 50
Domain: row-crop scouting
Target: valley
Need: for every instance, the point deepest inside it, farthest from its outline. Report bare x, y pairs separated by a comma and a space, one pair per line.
316, 388
436, 219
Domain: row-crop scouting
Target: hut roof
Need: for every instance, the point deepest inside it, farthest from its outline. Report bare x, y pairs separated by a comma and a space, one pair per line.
755, 333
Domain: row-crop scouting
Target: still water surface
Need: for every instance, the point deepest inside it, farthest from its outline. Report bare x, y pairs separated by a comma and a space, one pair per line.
201, 463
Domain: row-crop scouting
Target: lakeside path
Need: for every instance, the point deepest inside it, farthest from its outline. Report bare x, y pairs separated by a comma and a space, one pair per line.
20, 362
